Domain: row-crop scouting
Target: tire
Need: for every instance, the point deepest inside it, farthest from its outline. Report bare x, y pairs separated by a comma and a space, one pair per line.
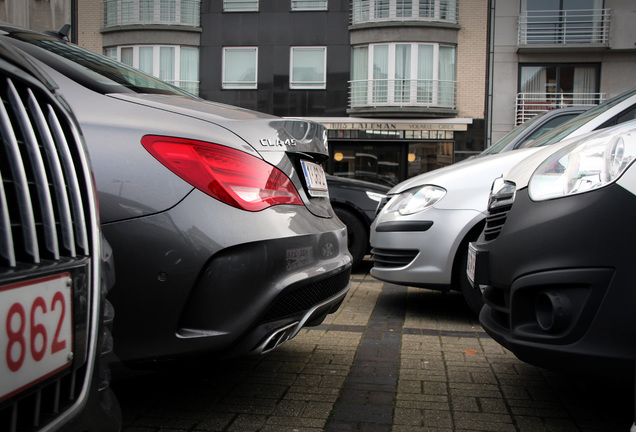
472, 296
357, 235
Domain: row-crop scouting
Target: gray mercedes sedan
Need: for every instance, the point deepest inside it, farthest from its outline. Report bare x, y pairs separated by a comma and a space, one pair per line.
224, 238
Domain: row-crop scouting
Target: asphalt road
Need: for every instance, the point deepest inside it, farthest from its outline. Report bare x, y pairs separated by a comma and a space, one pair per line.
391, 359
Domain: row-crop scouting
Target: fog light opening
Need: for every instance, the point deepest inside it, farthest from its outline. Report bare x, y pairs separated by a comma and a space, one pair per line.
553, 311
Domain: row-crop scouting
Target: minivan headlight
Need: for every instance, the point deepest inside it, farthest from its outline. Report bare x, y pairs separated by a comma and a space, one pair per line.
416, 200
591, 163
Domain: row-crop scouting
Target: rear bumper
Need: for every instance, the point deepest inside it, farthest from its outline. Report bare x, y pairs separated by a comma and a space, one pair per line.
203, 279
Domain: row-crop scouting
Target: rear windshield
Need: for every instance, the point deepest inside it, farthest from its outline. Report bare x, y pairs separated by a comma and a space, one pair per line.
95, 71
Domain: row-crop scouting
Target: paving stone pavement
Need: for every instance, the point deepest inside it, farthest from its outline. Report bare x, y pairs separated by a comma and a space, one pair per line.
392, 359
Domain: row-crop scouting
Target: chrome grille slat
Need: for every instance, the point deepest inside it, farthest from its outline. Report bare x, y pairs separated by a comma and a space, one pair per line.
59, 184
39, 172
19, 179
6, 237
68, 166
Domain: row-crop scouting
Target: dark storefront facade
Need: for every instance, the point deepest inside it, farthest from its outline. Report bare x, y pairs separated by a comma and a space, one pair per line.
388, 152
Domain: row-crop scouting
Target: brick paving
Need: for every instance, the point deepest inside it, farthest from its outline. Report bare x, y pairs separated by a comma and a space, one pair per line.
391, 359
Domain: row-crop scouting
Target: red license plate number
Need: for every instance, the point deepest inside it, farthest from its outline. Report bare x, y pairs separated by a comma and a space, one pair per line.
36, 332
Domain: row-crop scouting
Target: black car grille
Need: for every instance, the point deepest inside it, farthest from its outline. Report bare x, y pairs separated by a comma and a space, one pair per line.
303, 298
389, 258
499, 205
45, 227
495, 221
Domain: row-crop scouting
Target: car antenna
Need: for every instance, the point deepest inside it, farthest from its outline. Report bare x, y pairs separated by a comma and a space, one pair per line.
62, 33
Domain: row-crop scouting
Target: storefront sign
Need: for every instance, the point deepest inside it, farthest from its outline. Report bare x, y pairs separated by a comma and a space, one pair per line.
396, 126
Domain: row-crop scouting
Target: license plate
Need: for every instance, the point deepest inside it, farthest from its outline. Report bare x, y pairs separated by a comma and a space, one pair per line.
36, 332
470, 266
299, 257
315, 179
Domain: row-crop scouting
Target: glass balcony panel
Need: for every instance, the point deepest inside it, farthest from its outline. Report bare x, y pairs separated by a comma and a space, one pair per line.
371, 11
423, 93
171, 12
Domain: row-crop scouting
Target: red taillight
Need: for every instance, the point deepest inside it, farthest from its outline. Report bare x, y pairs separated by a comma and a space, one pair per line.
232, 176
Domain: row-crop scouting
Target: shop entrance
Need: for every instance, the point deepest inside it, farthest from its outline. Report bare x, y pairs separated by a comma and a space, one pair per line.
375, 162
387, 163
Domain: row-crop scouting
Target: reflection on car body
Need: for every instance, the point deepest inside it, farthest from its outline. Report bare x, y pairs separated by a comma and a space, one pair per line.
55, 267
221, 245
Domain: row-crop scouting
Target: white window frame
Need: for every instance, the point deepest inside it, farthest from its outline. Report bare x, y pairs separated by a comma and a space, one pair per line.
247, 85
115, 53
314, 85
414, 60
240, 5
374, 91
309, 5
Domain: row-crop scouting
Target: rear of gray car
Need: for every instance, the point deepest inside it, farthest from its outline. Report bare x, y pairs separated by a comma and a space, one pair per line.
219, 217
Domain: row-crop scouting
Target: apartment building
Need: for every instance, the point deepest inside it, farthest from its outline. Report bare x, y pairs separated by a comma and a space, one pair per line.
399, 85
551, 53
36, 14
402, 86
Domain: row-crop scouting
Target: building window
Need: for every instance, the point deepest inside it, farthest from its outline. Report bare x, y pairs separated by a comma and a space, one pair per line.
240, 69
403, 74
240, 5
545, 87
125, 12
308, 68
308, 5
176, 65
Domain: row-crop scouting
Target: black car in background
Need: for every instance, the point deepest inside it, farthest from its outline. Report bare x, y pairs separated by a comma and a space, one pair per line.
55, 266
355, 203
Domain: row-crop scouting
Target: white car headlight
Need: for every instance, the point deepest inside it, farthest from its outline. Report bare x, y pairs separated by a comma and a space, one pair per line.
590, 163
416, 200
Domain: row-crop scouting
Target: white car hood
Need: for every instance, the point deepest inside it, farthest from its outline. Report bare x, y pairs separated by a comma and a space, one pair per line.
467, 183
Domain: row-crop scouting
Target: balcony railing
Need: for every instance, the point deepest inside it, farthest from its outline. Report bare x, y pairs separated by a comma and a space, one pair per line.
563, 27
170, 12
530, 104
402, 93
373, 11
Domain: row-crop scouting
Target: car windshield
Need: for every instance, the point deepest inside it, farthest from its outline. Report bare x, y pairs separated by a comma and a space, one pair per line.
503, 142
95, 71
560, 132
